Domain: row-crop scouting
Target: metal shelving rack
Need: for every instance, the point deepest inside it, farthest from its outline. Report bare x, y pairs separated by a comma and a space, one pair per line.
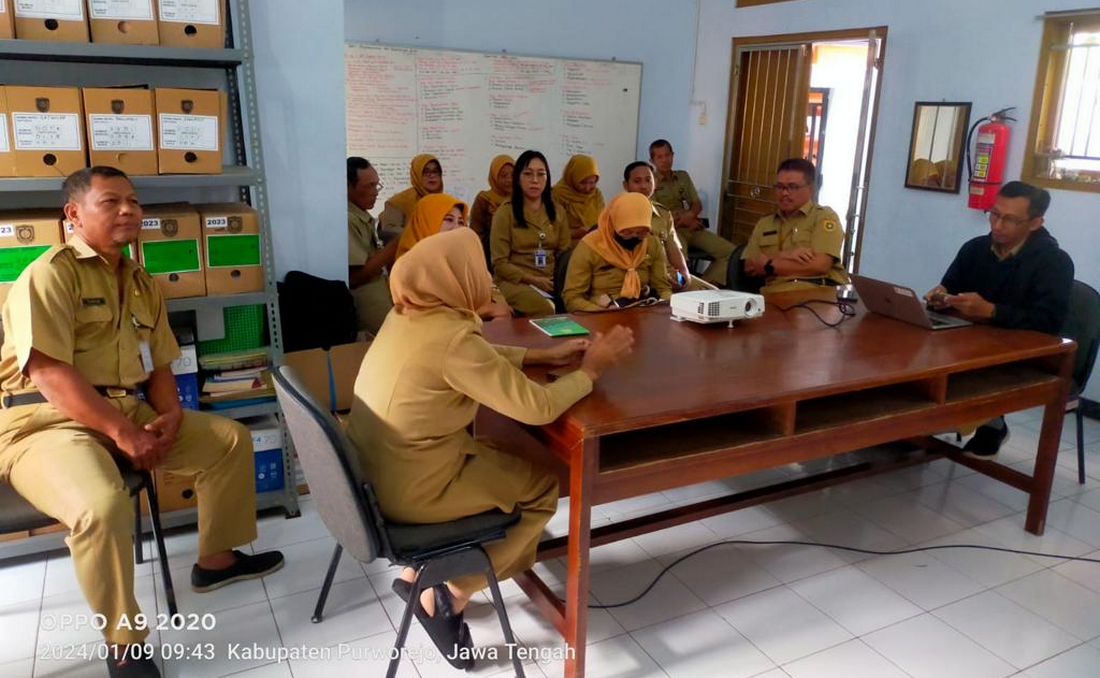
247, 176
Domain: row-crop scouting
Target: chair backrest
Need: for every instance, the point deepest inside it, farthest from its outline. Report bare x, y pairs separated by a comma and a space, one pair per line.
561, 267
1082, 324
328, 459
735, 273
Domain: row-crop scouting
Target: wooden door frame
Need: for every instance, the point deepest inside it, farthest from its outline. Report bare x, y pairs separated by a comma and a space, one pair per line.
779, 40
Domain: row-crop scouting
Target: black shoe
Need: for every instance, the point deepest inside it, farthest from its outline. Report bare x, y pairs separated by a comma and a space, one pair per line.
246, 567
987, 441
129, 667
447, 628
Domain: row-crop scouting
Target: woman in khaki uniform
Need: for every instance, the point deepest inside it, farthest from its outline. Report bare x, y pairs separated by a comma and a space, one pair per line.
425, 177
487, 202
529, 233
417, 393
576, 191
619, 260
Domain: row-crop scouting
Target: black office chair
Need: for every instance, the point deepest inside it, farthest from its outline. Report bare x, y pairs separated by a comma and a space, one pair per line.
561, 267
1083, 326
349, 509
735, 273
17, 515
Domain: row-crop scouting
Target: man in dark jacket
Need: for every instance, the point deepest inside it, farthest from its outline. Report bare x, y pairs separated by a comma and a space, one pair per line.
1015, 277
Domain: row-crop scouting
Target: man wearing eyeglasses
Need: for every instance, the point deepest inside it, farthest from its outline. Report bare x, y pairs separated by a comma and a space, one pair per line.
1015, 277
368, 258
799, 246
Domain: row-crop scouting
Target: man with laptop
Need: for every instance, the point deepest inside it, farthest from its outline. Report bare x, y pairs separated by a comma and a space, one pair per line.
1014, 277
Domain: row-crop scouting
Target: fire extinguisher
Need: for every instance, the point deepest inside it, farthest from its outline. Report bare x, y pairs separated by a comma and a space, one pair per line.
991, 152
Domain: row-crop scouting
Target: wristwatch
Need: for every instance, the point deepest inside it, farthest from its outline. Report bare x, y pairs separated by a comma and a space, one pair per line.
769, 269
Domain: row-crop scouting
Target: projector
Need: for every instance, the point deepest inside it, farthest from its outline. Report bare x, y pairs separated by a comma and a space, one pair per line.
716, 306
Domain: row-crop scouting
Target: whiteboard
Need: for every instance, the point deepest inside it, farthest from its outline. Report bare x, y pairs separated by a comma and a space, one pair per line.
466, 107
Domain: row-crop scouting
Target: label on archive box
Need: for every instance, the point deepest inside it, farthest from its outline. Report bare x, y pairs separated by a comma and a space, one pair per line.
121, 132
14, 259
217, 223
7, 230
5, 145
188, 132
141, 10
46, 131
189, 11
64, 10
150, 224
230, 251
170, 256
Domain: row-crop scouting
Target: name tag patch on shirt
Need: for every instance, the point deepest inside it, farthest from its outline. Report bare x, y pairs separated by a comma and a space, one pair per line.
146, 357
540, 258
93, 301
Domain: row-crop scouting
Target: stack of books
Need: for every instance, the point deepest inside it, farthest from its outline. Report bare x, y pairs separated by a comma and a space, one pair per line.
236, 379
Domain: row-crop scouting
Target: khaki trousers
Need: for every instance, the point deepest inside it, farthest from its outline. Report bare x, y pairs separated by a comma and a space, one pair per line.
372, 303
524, 299
68, 472
716, 247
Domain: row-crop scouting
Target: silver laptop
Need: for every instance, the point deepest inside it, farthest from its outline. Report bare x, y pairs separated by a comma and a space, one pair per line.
901, 303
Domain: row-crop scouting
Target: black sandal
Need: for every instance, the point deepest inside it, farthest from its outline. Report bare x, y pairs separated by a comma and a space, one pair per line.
447, 629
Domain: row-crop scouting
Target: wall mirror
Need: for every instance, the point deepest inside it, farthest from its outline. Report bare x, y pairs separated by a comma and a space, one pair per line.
936, 146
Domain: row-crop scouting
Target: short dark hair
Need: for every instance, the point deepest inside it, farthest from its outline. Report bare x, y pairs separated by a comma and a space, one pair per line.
635, 165
799, 165
1038, 199
658, 144
355, 163
522, 162
78, 183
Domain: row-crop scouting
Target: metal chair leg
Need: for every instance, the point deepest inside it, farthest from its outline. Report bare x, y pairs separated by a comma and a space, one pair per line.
1080, 444
139, 555
319, 610
158, 538
502, 614
406, 622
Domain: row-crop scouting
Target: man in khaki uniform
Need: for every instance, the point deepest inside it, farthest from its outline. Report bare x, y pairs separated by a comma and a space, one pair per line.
368, 259
676, 191
638, 177
800, 246
85, 328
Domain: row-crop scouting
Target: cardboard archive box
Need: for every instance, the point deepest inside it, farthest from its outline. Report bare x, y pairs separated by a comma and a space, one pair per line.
7, 24
170, 248
231, 244
190, 128
57, 20
123, 22
7, 157
47, 125
192, 23
24, 236
120, 129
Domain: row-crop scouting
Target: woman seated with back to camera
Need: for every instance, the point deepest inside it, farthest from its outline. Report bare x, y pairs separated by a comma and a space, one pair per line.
418, 390
529, 233
439, 213
619, 263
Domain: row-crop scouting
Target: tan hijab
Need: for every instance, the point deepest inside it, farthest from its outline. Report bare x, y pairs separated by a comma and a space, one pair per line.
626, 210
427, 219
406, 199
497, 194
584, 208
446, 270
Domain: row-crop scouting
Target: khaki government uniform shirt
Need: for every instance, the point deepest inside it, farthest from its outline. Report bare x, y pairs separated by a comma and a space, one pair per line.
512, 248
363, 239
663, 227
590, 276
66, 305
814, 226
676, 192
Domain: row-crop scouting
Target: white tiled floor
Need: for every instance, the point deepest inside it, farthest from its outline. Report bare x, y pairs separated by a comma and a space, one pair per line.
735, 611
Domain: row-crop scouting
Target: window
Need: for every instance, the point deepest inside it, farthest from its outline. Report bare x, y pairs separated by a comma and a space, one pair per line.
1064, 135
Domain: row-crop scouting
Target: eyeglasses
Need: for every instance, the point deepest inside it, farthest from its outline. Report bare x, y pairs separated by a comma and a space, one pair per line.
790, 188
432, 173
995, 216
374, 187
533, 176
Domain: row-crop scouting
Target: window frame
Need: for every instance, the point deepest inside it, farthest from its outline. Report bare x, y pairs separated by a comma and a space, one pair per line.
1049, 85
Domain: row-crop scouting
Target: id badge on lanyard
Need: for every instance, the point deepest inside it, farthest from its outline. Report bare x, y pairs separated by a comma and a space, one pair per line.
540, 253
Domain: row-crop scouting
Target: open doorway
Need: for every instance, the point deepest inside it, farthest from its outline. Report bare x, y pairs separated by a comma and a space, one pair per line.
790, 94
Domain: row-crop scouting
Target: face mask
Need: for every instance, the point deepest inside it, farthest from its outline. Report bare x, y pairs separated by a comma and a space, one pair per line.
627, 243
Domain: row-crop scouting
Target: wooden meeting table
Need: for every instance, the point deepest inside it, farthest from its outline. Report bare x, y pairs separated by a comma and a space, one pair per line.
703, 402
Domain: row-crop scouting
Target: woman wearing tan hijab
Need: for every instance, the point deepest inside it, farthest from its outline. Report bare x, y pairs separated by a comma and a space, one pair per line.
417, 392
426, 177
487, 202
619, 262
576, 192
